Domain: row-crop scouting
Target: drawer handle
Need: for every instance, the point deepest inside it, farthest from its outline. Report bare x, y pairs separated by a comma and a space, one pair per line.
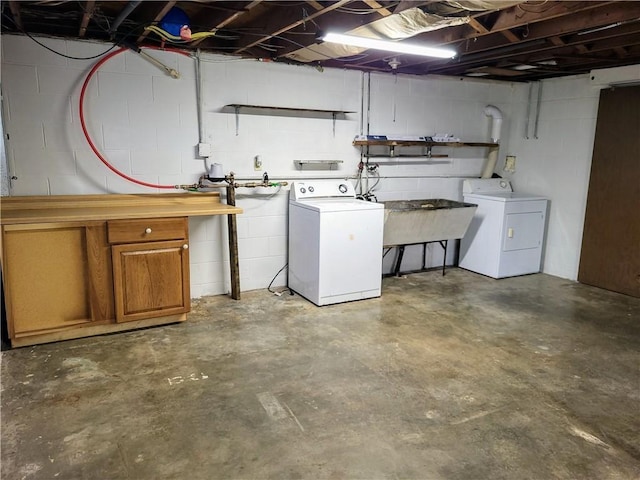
185, 246
148, 230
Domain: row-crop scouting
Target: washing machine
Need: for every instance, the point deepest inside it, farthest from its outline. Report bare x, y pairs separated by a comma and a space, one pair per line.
335, 242
506, 234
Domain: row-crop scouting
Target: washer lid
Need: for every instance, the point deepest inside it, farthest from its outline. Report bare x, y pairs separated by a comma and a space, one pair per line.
326, 205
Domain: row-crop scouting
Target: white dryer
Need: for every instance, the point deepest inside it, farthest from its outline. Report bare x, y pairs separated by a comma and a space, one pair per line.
506, 234
335, 242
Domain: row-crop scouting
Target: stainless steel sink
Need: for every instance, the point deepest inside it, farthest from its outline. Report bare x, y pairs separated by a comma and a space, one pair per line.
420, 221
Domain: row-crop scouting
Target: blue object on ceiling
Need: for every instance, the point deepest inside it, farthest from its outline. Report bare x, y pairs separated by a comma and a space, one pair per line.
174, 20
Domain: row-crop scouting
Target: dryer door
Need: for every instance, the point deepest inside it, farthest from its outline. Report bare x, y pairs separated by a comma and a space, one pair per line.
523, 231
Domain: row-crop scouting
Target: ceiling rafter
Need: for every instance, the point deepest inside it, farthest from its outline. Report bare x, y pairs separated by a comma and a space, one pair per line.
230, 19
89, 7
159, 16
545, 50
379, 8
473, 39
14, 6
317, 5
584, 20
287, 27
553, 38
477, 26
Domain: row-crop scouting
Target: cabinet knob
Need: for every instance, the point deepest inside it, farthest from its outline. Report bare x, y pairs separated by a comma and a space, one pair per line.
148, 230
185, 246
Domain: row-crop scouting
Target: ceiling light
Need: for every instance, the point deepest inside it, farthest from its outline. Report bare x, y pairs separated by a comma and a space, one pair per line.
389, 46
524, 67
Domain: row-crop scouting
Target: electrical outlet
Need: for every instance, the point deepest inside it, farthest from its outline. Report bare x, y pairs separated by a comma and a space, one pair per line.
510, 163
257, 163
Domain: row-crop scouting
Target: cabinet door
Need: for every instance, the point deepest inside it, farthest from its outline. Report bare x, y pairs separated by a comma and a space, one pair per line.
151, 279
56, 276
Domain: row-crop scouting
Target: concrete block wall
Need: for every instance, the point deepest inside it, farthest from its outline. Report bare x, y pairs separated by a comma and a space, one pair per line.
557, 164
146, 124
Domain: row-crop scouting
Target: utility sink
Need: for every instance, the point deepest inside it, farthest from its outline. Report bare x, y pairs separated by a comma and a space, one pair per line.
409, 222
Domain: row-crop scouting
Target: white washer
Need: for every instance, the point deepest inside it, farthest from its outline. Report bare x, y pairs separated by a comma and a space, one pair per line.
507, 231
335, 242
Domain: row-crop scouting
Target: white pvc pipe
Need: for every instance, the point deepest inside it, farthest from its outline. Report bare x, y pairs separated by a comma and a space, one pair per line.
496, 115
492, 158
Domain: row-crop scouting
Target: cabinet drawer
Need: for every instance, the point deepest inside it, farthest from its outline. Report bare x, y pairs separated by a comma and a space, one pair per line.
147, 230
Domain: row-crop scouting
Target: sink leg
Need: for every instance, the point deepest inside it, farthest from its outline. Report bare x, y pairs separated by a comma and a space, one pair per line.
443, 244
396, 270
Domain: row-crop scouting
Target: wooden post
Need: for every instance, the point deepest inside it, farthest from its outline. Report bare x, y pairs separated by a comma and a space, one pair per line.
234, 265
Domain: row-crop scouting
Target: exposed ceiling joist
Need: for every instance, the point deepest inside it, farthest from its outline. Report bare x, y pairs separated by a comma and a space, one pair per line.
379, 8
159, 16
288, 26
524, 41
14, 6
89, 6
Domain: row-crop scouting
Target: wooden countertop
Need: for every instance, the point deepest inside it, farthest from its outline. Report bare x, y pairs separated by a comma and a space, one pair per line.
69, 208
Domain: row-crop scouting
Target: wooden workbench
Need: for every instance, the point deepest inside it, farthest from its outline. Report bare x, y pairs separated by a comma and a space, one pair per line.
81, 265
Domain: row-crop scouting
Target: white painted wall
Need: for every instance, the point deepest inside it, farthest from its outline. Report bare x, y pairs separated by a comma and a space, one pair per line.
557, 163
146, 124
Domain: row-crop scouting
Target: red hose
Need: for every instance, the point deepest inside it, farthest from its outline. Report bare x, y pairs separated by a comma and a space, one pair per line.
84, 126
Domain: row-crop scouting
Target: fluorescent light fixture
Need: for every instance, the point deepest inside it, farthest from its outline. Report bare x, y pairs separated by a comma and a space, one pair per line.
389, 46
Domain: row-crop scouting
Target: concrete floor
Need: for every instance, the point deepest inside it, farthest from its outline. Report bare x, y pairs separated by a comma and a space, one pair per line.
461, 377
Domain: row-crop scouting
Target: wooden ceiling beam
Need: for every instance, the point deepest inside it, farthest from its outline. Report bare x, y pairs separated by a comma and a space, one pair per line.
230, 19
621, 52
286, 26
544, 52
509, 19
317, 5
523, 14
509, 35
378, 8
14, 6
159, 16
581, 48
477, 26
551, 31
89, 7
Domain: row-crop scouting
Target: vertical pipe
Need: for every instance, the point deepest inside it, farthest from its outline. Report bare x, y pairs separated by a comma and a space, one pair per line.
526, 125
535, 128
232, 225
126, 11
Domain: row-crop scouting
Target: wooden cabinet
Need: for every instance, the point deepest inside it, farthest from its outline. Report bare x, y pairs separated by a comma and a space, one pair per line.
76, 266
58, 276
150, 267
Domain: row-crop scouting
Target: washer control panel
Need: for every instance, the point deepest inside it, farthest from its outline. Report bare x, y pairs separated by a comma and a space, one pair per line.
486, 185
322, 189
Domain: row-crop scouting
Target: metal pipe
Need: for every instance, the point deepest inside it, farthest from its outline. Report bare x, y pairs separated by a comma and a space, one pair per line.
535, 127
199, 97
126, 11
172, 72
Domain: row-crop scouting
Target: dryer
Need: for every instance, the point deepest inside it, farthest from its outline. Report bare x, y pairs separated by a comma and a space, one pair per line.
335, 242
506, 235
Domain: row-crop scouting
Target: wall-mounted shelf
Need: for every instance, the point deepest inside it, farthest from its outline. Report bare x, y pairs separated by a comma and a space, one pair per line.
419, 143
427, 146
238, 108
319, 164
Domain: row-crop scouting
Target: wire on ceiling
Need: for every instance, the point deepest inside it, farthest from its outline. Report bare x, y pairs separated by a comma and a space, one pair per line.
71, 57
365, 11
